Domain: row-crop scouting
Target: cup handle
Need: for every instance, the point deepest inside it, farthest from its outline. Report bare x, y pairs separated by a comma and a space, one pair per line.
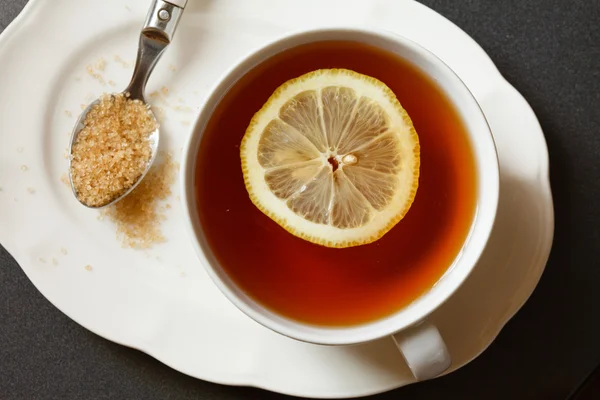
424, 350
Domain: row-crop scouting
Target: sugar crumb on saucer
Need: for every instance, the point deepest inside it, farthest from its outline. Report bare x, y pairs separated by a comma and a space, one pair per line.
160, 113
65, 179
42, 260
100, 64
88, 268
123, 63
182, 108
63, 251
68, 113
30, 190
138, 216
24, 168
90, 71
54, 261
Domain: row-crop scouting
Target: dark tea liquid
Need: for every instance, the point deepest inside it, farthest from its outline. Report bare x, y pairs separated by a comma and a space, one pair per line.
338, 287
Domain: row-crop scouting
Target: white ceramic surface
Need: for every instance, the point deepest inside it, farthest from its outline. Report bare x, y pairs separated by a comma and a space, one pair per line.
160, 300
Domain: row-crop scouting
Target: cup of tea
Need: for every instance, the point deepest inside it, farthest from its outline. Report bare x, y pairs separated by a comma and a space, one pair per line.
342, 296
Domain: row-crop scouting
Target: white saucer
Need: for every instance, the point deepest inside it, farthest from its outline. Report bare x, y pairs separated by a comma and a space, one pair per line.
160, 300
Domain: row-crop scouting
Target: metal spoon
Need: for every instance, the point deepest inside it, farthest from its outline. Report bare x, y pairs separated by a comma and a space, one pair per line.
159, 28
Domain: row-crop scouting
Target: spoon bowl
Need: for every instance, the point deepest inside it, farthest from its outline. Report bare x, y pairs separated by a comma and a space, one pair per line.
157, 33
153, 138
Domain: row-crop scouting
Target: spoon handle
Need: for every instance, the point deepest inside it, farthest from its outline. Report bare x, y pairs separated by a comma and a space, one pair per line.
159, 28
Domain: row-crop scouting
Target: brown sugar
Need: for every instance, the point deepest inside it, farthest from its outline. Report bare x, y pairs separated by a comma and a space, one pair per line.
65, 179
138, 215
112, 150
95, 75
100, 64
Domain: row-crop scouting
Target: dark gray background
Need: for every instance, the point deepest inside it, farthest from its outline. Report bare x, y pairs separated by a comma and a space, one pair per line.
550, 51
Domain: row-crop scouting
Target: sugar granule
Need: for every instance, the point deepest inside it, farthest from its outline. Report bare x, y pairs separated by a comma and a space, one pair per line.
65, 179
138, 215
182, 108
112, 150
124, 63
100, 64
95, 75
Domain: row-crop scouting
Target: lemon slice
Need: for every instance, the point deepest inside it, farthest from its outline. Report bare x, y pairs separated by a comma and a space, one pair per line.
332, 157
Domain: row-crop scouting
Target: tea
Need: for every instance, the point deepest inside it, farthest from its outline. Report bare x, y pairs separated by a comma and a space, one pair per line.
337, 287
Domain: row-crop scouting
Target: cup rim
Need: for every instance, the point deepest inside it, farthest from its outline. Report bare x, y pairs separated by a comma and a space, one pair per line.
475, 242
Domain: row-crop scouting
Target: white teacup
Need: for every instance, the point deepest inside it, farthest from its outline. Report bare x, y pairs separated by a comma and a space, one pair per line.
418, 340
